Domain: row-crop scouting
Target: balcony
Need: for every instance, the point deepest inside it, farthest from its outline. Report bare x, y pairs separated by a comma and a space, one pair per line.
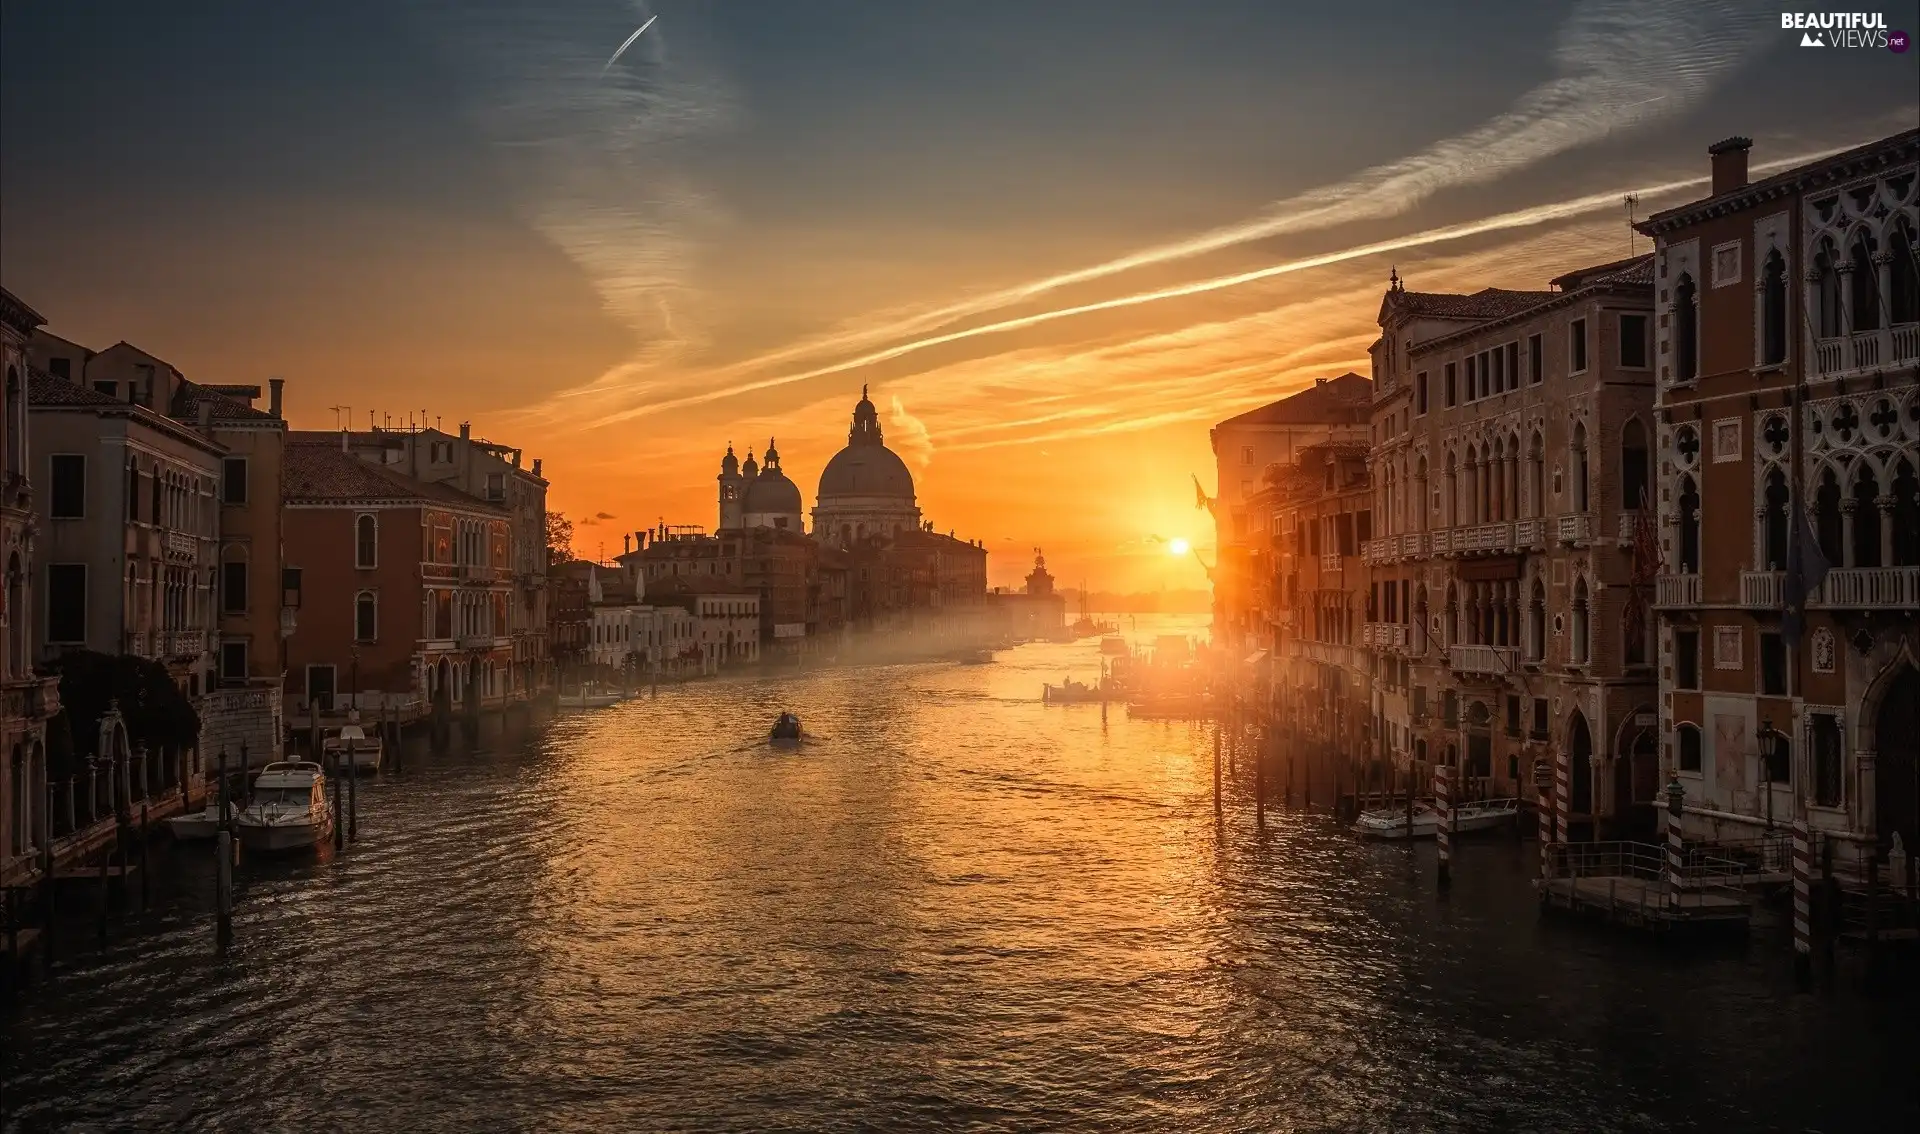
1330, 561
1628, 521
180, 643
1867, 350
1762, 590
1676, 591
1877, 588
1385, 635
1481, 659
1379, 550
1497, 536
182, 545
1530, 534
480, 641
1412, 544
1575, 528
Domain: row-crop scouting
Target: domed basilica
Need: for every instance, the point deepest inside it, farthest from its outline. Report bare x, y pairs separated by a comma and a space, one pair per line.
865, 490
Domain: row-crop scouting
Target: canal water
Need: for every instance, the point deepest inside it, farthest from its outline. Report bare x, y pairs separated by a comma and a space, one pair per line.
957, 909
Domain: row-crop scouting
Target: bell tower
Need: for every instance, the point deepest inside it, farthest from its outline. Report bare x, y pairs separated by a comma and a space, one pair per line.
732, 485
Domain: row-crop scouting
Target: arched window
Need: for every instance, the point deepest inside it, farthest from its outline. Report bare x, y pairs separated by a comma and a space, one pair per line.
1472, 513
1773, 309
1633, 465
1906, 515
1419, 501
1866, 518
1827, 526
1774, 522
366, 542
1537, 623
1582, 624
1453, 617
1866, 286
1827, 307
1537, 475
1689, 526
1688, 743
1580, 500
133, 491
1903, 297
1686, 330
366, 617
1453, 493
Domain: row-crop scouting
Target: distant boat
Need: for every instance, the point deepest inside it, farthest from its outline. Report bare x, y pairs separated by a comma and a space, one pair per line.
974, 657
1391, 822
787, 732
288, 810
363, 755
1071, 692
589, 698
1114, 645
1178, 706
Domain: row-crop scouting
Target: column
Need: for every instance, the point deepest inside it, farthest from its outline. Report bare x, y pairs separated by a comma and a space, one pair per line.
1848, 505
1885, 506
1883, 275
1845, 269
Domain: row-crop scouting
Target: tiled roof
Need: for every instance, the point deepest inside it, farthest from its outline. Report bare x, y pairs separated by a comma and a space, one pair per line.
321, 474
192, 395
1487, 303
44, 389
15, 313
1893, 149
1333, 401
1632, 270
1636, 271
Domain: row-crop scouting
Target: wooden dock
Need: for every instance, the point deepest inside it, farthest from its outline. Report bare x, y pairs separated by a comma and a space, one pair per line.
1644, 903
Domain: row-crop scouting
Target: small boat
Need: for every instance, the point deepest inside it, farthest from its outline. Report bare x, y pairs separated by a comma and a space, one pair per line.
363, 754
1187, 706
288, 810
592, 699
1113, 645
786, 730
1391, 822
197, 825
974, 657
1071, 692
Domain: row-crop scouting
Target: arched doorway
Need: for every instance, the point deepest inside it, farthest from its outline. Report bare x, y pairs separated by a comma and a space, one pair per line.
1896, 769
1580, 780
1636, 784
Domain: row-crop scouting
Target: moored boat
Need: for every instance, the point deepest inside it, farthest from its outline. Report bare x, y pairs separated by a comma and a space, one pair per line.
196, 825
1392, 823
288, 810
786, 730
592, 698
351, 749
1071, 692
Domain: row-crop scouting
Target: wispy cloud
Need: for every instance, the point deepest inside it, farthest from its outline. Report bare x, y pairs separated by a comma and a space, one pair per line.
908, 435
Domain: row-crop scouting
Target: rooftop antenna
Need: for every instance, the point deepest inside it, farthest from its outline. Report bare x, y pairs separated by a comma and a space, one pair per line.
337, 411
369, 421
1632, 202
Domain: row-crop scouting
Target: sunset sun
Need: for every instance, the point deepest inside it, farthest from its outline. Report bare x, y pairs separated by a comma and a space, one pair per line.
1178, 546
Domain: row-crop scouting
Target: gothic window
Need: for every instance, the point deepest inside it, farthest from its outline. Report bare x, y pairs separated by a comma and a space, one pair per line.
1826, 294
1906, 515
1582, 623
1903, 297
1537, 467
366, 612
366, 549
1826, 502
1866, 285
1689, 526
1580, 467
1866, 518
1633, 464
1773, 309
1827, 772
1537, 623
1774, 522
1686, 330
1689, 745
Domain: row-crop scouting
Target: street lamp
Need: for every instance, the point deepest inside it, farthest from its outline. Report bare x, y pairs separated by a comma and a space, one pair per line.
1771, 745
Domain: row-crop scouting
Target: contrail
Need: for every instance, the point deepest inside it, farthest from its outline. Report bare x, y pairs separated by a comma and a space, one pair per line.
623, 47
1519, 218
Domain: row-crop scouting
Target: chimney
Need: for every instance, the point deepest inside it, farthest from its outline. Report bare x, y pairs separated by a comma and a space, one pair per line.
275, 386
1729, 159
516, 458
536, 466
1319, 381
466, 431
344, 448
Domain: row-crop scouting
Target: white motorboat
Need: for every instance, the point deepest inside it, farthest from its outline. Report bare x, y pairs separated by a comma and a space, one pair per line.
592, 699
288, 810
362, 755
1479, 815
196, 825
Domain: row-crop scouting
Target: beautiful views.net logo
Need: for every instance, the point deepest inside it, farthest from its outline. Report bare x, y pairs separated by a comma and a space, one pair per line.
1844, 29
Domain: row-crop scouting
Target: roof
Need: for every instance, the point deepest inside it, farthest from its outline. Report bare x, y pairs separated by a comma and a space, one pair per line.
1632, 270
188, 399
322, 474
45, 392
1617, 275
15, 313
1886, 151
1327, 401
1487, 303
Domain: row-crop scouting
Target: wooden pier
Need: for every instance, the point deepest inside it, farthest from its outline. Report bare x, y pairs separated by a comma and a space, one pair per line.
1637, 885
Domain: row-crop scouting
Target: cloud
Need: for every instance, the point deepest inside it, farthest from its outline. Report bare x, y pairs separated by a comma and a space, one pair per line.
604, 516
908, 435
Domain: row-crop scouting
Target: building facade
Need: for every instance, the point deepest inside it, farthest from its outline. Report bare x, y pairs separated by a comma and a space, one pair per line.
1788, 314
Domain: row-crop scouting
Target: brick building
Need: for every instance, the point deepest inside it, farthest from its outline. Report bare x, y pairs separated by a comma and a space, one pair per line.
1788, 340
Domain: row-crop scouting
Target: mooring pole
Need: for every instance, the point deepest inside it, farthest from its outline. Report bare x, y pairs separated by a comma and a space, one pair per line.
1443, 830
339, 820
1216, 770
1676, 843
143, 856
353, 796
1802, 902
1259, 781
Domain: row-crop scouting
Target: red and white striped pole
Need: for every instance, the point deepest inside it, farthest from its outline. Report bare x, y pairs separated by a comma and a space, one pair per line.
1562, 792
1802, 900
1543, 793
1443, 833
1676, 843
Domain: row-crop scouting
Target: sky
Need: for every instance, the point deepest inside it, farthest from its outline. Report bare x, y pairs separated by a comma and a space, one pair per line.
1059, 240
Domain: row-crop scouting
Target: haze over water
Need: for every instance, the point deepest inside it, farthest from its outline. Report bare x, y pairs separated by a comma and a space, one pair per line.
958, 909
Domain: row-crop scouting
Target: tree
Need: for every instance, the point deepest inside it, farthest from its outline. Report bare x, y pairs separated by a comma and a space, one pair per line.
559, 538
156, 713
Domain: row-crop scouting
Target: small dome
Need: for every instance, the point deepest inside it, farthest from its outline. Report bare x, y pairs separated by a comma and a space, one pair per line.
772, 493
729, 464
750, 468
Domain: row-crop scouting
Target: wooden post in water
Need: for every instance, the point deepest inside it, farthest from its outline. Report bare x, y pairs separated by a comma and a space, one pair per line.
1802, 902
339, 824
1443, 830
1259, 781
47, 882
1873, 911
223, 868
353, 796
143, 857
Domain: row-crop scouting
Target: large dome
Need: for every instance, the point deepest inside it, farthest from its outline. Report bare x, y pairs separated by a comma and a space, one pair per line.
866, 470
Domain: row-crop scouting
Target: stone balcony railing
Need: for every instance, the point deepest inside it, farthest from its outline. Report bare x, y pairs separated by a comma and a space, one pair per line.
181, 545
1575, 527
1482, 659
1676, 590
1867, 350
1530, 533
1628, 520
1386, 635
1330, 560
1762, 590
1876, 588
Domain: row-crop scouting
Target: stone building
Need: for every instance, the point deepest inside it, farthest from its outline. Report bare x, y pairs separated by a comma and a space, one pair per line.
1244, 447
1789, 429
405, 586
27, 700
1510, 462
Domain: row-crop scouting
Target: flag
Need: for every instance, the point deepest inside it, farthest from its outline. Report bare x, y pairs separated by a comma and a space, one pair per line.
1646, 569
1807, 566
1202, 500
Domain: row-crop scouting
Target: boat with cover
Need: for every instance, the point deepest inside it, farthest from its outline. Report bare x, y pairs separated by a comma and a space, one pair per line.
592, 698
197, 825
1479, 815
288, 810
361, 755
786, 730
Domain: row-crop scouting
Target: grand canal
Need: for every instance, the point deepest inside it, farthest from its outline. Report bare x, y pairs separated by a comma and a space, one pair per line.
958, 909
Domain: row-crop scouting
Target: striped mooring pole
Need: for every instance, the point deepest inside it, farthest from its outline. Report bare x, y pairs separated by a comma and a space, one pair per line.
1543, 795
1802, 900
1562, 793
1442, 832
1676, 845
